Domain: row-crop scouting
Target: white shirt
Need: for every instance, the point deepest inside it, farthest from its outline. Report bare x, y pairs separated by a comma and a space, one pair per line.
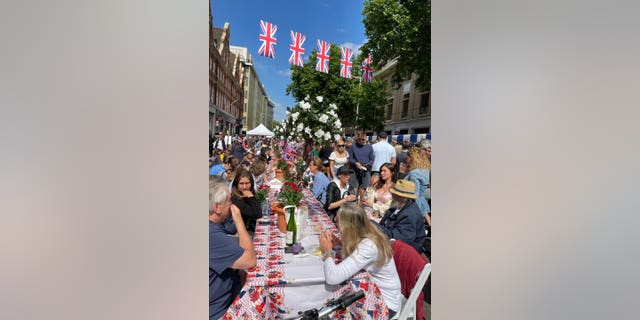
338, 161
382, 153
364, 257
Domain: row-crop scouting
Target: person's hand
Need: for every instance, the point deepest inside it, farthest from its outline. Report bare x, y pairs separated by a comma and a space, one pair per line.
351, 197
359, 165
235, 213
326, 241
247, 193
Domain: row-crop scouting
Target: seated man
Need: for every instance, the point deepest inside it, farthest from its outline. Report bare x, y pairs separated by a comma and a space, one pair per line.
225, 254
403, 220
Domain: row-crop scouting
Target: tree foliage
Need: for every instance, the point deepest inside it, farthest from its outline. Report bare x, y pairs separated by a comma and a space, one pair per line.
348, 94
400, 29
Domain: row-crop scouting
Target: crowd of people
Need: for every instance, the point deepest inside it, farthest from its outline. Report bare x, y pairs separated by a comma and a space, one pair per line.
374, 192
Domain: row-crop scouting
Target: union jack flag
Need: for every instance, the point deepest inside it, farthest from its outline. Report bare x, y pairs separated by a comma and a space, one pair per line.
345, 63
268, 39
323, 57
367, 71
297, 39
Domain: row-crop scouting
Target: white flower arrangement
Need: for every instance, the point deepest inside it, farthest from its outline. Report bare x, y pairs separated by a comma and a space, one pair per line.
315, 121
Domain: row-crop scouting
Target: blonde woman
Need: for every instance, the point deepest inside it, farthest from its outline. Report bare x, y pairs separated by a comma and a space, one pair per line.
338, 158
419, 174
364, 247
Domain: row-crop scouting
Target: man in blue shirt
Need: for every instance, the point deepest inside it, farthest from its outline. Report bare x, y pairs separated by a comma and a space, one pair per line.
225, 255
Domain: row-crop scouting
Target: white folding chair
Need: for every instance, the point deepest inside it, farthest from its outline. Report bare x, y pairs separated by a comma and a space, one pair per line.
408, 309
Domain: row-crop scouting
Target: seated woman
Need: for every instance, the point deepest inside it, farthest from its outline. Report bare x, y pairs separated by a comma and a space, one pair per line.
242, 196
320, 180
378, 197
364, 247
339, 192
419, 167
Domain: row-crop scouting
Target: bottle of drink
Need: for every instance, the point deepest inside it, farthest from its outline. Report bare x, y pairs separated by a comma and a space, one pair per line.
292, 229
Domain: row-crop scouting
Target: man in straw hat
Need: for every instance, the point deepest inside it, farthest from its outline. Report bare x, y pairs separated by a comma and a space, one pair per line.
403, 220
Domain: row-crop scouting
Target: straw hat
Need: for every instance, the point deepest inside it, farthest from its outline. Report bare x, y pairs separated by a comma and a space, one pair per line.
404, 188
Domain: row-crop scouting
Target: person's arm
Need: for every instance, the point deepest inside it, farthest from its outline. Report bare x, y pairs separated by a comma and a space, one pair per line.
248, 258
371, 157
404, 230
352, 158
332, 169
332, 162
331, 196
249, 207
317, 187
364, 255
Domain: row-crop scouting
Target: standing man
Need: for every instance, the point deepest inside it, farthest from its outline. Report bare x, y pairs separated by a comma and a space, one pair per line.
383, 152
226, 256
220, 143
361, 159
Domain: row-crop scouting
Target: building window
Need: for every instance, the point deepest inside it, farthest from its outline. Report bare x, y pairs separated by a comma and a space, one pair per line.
405, 105
424, 103
389, 109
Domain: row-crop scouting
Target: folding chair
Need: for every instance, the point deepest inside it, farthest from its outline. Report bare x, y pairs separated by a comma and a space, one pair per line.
408, 263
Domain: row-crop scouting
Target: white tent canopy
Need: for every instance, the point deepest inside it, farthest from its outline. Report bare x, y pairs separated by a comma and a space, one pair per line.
260, 130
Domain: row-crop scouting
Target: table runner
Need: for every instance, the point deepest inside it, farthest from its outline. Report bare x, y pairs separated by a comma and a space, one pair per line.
262, 296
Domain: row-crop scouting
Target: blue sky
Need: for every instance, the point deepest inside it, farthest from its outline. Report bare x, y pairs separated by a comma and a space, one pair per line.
335, 21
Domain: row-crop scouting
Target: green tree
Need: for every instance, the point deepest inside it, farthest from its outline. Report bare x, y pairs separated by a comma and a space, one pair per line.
348, 94
400, 29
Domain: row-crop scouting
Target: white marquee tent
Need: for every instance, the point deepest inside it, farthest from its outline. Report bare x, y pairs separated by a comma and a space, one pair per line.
260, 130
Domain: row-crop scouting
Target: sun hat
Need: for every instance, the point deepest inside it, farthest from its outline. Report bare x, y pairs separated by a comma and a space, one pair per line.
404, 188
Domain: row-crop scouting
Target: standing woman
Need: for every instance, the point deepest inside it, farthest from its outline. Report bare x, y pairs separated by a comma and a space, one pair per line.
338, 158
242, 196
364, 247
419, 174
379, 202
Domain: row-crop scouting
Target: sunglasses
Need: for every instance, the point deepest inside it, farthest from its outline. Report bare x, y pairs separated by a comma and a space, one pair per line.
341, 145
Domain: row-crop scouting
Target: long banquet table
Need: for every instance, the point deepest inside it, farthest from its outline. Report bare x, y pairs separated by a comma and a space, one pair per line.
281, 284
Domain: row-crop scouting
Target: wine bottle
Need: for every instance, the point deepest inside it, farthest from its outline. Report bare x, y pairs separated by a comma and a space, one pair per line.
292, 229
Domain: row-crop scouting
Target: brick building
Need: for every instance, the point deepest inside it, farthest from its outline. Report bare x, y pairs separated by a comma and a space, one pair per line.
225, 83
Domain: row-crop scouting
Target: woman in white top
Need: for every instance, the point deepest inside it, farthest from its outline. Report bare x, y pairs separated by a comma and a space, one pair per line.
364, 246
338, 158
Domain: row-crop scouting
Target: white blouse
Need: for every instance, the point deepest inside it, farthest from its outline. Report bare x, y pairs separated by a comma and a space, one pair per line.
364, 258
338, 162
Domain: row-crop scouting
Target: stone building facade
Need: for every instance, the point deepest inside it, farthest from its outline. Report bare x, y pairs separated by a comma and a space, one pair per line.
225, 83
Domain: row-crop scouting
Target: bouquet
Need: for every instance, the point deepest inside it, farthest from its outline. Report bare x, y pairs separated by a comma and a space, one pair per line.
262, 193
290, 194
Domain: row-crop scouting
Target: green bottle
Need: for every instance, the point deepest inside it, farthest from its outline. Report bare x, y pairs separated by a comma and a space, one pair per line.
292, 229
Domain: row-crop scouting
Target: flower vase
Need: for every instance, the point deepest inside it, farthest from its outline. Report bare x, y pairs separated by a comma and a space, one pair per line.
282, 222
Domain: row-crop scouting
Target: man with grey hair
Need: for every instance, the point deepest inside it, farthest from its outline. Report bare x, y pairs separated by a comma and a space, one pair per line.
225, 254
